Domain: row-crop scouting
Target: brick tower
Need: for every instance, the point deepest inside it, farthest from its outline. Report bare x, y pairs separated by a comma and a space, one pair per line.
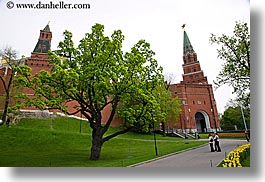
39, 57
199, 112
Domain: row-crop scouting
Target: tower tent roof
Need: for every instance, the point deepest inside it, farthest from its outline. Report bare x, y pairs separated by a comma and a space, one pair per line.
47, 28
187, 47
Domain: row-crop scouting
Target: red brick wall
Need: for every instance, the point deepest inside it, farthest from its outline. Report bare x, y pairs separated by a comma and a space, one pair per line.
194, 98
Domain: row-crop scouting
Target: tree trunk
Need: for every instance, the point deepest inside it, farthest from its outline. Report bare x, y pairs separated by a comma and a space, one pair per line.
163, 128
5, 108
7, 89
97, 143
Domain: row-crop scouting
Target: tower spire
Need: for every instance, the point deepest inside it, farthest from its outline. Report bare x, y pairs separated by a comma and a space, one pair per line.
187, 47
191, 67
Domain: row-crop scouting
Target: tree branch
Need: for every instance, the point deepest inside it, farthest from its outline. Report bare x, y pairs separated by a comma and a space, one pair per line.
73, 113
3, 81
116, 134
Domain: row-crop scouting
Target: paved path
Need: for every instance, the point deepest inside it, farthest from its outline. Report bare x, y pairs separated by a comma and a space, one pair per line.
198, 157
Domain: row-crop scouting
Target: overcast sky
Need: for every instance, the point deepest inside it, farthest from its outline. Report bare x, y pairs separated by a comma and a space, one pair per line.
158, 22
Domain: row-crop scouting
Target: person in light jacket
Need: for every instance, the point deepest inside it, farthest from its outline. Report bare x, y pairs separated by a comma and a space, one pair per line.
210, 137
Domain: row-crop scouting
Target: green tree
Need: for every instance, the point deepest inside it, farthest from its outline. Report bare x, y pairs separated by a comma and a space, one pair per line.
96, 75
10, 56
163, 109
235, 52
169, 106
233, 116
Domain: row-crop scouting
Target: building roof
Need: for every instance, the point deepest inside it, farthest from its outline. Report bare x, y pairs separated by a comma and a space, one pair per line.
187, 47
43, 45
47, 28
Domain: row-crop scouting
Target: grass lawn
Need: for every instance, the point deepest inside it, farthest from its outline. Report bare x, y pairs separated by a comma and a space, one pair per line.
228, 135
66, 142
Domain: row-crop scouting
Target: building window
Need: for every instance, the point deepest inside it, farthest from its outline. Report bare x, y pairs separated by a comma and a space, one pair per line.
199, 102
176, 92
189, 60
204, 102
193, 102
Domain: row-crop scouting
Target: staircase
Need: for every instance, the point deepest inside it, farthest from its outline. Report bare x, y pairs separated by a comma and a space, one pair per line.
175, 133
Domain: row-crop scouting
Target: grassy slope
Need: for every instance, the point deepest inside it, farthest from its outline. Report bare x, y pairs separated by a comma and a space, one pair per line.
58, 142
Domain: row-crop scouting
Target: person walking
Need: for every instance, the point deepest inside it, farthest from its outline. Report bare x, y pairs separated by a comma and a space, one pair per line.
210, 137
247, 134
216, 143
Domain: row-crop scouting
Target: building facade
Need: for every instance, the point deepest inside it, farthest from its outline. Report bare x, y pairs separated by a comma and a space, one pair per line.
199, 111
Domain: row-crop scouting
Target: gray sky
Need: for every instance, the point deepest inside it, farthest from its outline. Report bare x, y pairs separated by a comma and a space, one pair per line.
158, 22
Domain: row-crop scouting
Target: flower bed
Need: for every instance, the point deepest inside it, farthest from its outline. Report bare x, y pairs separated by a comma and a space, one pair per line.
231, 134
236, 157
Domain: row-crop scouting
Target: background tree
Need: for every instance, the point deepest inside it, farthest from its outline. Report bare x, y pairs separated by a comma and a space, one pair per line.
159, 108
233, 117
96, 75
10, 56
235, 52
169, 106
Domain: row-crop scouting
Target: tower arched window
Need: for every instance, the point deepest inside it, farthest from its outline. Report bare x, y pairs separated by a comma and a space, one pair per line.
189, 60
195, 57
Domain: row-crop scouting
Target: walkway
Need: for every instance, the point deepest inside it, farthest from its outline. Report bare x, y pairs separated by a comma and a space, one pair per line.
198, 157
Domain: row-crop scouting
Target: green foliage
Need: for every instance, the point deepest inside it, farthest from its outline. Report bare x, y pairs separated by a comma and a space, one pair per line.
10, 56
97, 75
232, 116
169, 106
235, 52
159, 106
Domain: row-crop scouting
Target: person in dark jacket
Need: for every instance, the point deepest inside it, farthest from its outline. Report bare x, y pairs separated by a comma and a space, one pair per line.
247, 133
216, 142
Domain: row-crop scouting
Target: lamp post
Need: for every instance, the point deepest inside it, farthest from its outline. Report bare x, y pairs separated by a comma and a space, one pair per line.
154, 132
80, 127
243, 117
